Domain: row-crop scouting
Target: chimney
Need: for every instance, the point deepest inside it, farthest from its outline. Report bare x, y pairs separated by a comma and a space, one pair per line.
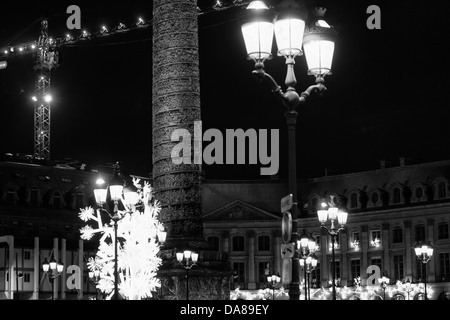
402, 161
382, 164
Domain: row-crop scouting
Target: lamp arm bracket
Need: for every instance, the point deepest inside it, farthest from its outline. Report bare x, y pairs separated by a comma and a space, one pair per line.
274, 87
319, 87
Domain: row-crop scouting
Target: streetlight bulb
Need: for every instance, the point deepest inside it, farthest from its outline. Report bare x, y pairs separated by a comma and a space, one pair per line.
34, 98
289, 35
48, 98
257, 5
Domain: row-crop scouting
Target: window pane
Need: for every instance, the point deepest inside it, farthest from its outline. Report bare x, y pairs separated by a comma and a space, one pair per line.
443, 231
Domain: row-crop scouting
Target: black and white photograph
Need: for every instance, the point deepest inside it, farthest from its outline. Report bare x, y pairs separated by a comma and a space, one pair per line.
226, 156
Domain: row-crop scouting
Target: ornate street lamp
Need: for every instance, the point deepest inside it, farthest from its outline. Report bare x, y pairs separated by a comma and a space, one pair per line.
293, 38
408, 287
330, 211
308, 265
384, 282
94, 278
273, 280
124, 202
424, 252
52, 270
307, 246
187, 259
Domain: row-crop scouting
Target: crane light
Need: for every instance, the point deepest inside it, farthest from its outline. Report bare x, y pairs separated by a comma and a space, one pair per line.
48, 98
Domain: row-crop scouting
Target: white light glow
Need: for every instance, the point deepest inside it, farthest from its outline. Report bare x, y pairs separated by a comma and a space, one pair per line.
319, 56
258, 37
257, 5
138, 250
289, 36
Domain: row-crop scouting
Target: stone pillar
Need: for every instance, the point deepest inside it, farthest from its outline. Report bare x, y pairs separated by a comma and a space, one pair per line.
431, 272
385, 243
410, 259
324, 266
56, 256
36, 268
345, 276
176, 106
251, 260
63, 275
276, 249
364, 255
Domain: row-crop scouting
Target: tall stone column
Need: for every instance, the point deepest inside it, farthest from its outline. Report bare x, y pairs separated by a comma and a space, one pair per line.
176, 105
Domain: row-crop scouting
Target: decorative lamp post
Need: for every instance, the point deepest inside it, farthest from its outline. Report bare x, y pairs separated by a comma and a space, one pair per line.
273, 281
408, 287
52, 270
187, 259
329, 211
291, 36
384, 282
308, 265
307, 246
116, 193
424, 252
94, 277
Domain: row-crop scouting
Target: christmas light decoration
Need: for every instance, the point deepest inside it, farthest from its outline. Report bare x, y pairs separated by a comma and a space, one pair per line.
139, 234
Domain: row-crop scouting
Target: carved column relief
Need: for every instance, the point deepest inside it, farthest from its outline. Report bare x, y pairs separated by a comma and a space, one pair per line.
176, 105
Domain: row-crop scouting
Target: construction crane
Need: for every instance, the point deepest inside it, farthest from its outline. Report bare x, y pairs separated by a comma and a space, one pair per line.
47, 51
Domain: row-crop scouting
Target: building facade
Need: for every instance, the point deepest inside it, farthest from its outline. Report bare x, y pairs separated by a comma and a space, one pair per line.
390, 210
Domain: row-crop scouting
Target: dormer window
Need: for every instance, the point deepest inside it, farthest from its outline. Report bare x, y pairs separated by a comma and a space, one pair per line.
396, 197
353, 200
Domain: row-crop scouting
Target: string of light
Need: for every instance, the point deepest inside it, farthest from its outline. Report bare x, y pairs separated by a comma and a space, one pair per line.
69, 39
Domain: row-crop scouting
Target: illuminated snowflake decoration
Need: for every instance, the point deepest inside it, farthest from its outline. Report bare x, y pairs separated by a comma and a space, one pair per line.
138, 247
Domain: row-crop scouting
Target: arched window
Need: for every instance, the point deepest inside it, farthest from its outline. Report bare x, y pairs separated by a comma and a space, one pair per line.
314, 202
57, 200
441, 190
418, 192
79, 200
354, 200
10, 197
396, 198
34, 198
375, 197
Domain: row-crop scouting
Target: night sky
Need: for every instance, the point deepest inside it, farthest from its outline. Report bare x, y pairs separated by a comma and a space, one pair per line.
386, 98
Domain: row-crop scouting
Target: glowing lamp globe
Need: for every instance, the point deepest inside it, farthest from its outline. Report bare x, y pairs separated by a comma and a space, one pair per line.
322, 215
100, 196
258, 32
116, 188
332, 213
52, 264
45, 265
318, 45
60, 266
342, 217
314, 262
194, 257
289, 36
130, 195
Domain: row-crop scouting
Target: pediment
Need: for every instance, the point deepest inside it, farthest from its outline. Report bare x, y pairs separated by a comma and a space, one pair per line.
239, 210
